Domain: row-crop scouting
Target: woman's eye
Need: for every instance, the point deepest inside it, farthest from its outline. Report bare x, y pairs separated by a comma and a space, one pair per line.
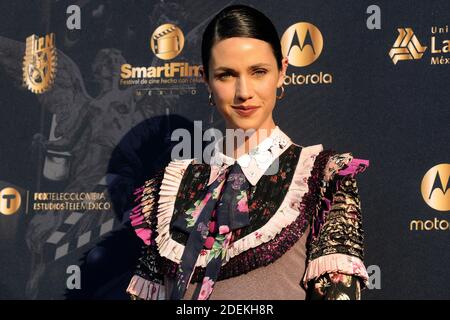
260, 72
224, 76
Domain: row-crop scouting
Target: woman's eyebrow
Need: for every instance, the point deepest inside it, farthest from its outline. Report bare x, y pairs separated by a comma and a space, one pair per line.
259, 65
224, 69
254, 66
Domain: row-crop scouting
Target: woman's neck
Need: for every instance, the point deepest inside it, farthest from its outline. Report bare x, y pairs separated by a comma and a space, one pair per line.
242, 141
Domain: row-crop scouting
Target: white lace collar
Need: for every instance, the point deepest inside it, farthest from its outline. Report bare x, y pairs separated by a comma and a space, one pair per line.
255, 163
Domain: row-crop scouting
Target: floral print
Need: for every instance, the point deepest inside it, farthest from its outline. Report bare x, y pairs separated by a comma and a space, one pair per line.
217, 249
237, 180
229, 209
337, 229
242, 204
206, 289
328, 208
224, 229
193, 213
321, 285
335, 286
263, 199
209, 242
203, 229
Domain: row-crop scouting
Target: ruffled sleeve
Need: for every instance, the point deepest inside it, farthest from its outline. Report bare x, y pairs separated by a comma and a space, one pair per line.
335, 247
147, 282
145, 201
139, 224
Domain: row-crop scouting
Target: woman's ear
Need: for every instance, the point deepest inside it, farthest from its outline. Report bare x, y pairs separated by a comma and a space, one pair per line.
202, 72
284, 65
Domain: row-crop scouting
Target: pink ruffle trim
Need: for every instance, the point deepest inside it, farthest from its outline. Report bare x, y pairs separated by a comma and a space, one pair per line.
336, 262
355, 166
145, 289
137, 218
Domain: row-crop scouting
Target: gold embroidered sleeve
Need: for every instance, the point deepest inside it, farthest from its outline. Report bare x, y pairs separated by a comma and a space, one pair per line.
336, 243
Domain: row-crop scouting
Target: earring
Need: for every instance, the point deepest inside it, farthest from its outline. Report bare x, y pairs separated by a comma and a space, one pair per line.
211, 116
281, 96
211, 100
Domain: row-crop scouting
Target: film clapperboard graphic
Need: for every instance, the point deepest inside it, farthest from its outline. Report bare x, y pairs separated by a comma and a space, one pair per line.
80, 229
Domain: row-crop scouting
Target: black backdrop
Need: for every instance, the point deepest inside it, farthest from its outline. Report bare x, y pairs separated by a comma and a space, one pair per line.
395, 115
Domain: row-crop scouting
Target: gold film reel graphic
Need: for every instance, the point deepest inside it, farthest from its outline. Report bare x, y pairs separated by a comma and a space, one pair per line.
167, 41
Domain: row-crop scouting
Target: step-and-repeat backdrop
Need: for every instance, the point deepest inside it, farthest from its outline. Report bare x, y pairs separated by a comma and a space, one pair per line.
91, 92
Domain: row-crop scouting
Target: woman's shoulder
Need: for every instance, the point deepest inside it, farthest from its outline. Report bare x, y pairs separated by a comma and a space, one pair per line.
172, 172
344, 165
333, 163
163, 183
169, 178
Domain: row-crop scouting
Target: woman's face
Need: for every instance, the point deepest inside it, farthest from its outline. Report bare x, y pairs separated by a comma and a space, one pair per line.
243, 78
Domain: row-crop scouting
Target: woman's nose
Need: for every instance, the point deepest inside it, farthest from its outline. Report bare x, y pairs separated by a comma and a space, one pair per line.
244, 90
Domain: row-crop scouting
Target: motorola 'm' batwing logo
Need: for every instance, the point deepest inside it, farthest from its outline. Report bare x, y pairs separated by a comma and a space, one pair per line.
435, 187
302, 43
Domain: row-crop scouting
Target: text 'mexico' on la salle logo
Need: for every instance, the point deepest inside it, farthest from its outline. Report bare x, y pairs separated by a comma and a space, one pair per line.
302, 43
406, 46
435, 187
10, 201
39, 63
167, 41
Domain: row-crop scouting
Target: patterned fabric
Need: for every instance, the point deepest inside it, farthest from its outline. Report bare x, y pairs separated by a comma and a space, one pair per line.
210, 223
334, 286
264, 198
330, 207
335, 248
264, 201
338, 226
148, 281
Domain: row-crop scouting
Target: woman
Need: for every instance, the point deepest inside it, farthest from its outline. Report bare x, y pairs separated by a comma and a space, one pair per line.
273, 221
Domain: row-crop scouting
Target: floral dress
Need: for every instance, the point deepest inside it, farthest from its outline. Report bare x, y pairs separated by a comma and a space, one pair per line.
309, 200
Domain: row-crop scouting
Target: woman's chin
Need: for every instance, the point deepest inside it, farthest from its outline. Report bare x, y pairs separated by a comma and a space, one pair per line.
246, 124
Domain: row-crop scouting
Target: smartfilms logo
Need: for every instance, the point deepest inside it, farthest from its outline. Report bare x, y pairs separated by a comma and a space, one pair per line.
436, 194
408, 47
303, 43
166, 43
10, 201
39, 63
